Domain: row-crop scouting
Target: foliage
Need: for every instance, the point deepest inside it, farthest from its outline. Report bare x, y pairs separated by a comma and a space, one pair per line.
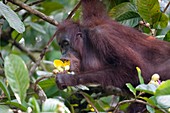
159, 95
23, 36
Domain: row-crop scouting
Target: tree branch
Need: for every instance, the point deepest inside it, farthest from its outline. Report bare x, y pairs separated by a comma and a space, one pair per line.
32, 70
74, 10
35, 12
34, 86
24, 50
6, 36
42, 78
166, 7
138, 101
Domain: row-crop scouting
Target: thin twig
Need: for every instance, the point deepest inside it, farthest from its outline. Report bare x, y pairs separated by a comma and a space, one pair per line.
40, 92
35, 12
166, 7
32, 70
138, 101
6, 35
74, 10
23, 49
38, 80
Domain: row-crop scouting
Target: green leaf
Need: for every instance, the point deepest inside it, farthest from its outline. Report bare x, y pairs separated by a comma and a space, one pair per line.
147, 88
106, 101
12, 18
15, 34
147, 8
17, 76
162, 94
163, 101
131, 22
47, 83
37, 27
163, 20
90, 100
139, 75
17, 105
167, 36
123, 107
34, 105
150, 109
49, 7
54, 105
160, 20
50, 88
122, 9
134, 2
5, 90
5, 109
128, 15
124, 13
163, 89
131, 88
150, 100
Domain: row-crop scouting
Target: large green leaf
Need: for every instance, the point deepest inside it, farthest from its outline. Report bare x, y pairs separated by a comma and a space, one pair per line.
124, 11
5, 109
17, 75
147, 88
163, 101
163, 22
12, 18
147, 8
160, 20
163, 89
5, 90
126, 14
162, 94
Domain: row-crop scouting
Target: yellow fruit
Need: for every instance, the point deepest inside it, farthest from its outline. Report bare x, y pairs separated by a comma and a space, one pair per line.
61, 66
66, 63
155, 77
58, 63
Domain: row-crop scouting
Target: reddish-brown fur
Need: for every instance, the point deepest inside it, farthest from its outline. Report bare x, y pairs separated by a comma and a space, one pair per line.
103, 51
